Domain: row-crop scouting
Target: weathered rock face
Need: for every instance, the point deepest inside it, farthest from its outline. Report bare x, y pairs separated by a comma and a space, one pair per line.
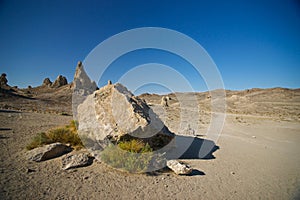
114, 113
47, 82
76, 160
48, 152
82, 87
60, 81
3, 80
179, 168
82, 84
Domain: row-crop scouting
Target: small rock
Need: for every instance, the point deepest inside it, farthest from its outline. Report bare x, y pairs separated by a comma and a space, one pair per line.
253, 136
76, 160
48, 152
179, 168
233, 173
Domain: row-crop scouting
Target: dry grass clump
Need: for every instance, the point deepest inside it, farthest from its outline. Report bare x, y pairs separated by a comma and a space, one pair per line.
132, 156
135, 146
65, 135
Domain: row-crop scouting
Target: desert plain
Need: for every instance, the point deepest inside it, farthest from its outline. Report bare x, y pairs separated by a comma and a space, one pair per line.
256, 154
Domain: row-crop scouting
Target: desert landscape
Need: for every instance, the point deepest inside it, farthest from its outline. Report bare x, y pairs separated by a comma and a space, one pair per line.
256, 156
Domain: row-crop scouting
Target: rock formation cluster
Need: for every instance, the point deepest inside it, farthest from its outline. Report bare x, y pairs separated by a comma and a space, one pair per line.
59, 82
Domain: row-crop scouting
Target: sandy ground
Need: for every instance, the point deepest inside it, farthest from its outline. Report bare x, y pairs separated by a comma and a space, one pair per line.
257, 158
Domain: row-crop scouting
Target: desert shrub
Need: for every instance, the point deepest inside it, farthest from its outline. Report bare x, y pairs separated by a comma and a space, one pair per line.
134, 146
38, 140
132, 156
65, 135
73, 126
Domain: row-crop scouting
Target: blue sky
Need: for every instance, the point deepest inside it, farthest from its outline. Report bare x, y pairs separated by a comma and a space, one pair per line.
253, 43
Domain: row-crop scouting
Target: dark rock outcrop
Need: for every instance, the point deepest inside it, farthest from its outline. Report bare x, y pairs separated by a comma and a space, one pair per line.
47, 82
3, 80
60, 81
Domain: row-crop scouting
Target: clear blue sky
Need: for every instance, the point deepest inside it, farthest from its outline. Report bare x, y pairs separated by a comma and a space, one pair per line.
254, 43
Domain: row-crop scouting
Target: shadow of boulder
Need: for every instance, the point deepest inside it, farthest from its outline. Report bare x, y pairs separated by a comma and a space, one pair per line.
187, 147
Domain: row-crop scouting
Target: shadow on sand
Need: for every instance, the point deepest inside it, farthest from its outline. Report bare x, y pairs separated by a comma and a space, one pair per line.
5, 129
193, 148
3, 137
199, 148
9, 111
196, 172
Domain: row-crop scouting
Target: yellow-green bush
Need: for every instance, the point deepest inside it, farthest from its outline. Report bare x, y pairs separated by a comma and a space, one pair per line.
135, 146
65, 135
38, 140
132, 156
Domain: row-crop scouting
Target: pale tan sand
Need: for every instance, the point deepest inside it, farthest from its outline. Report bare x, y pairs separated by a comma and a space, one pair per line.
245, 167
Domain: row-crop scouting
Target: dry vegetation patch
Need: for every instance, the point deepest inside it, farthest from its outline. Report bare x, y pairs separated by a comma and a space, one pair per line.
64, 135
132, 156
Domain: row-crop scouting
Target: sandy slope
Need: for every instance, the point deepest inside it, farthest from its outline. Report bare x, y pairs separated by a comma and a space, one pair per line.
258, 158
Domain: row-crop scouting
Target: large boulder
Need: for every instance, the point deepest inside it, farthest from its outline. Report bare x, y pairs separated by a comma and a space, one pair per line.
113, 113
47, 82
48, 152
60, 81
